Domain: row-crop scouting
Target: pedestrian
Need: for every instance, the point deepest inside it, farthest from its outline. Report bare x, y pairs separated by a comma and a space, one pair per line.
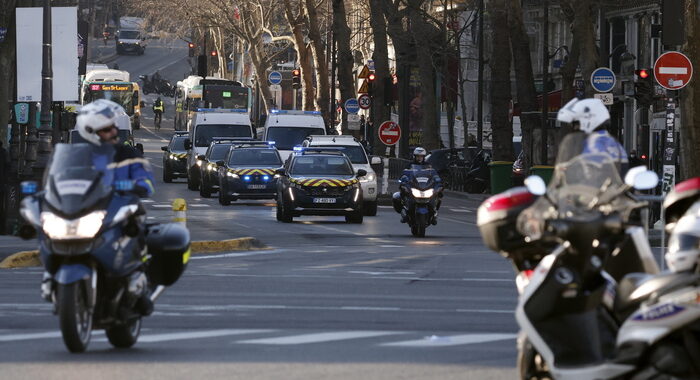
158, 109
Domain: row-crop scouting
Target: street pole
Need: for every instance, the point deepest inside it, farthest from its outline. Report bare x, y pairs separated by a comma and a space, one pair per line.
545, 79
480, 80
39, 148
334, 53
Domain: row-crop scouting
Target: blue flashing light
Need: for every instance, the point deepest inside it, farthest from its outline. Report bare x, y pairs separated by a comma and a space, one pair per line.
28, 187
246, 178
298, 148
266, 178
295, 112
274, 111
270, 143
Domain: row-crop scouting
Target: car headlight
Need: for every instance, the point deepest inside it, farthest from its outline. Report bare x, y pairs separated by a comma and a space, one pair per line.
121, 42
422, 194
211, 167
199, 162
368, 178
172, 157
232, 175
82, 228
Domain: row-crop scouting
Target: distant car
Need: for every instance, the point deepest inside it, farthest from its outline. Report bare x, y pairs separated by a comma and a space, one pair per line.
175, 158
319, 181
208, 169
248, 172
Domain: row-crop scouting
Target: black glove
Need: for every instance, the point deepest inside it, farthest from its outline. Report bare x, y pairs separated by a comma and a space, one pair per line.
141, 191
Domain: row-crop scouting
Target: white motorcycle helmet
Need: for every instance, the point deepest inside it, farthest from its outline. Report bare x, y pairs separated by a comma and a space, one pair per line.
684, 243
567, 114
420, 152
96, 116
591, 113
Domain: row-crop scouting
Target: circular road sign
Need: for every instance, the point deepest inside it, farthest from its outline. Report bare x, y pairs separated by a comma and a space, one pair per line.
352, 106
603, 79
389, 133
673, 70
275, 77
365, 101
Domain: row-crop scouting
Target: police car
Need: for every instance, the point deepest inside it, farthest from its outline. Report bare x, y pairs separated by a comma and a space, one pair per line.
319, 181
175, 158
357, 155
208, 169
248, 171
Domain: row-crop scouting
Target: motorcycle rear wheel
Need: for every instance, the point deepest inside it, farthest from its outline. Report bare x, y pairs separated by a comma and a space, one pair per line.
126, 335
74, 316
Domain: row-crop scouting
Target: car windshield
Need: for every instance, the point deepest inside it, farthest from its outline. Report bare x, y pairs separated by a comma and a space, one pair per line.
129, 34
286, 138
205, 132
178, 143
254, 157
355, 153
321, 165
218, 152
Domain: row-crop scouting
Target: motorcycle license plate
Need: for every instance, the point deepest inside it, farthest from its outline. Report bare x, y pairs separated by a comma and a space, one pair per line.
324, 200
256, 186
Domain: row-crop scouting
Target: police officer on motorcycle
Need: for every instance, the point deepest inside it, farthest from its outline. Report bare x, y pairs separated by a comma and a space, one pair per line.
419, 155
96, 123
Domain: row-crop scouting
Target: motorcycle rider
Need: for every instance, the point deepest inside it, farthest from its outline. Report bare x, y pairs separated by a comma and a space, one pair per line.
96, 123
398, 198
158, 109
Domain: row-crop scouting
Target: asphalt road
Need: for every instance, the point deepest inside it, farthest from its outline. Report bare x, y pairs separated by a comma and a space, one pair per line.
328, 300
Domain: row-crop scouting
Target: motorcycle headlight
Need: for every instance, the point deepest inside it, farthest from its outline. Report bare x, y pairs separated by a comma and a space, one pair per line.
368, 178
422, 194
58, 228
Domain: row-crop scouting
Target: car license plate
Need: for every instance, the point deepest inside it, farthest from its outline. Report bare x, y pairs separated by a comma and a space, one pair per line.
256, 186
324, 200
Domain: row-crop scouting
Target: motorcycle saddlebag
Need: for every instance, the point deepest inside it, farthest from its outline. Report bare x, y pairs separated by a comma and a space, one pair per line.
497, 217
169, 247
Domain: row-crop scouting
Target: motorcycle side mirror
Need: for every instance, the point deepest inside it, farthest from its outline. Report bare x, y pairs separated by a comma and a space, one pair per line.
164, 148
220, 163
28, 187
188, 144
375, 160
361, 172
142, 77
535, 185
645, 180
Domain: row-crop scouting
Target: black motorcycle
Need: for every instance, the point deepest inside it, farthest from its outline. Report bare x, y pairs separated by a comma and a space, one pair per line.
92, 236
157, 86
421, 190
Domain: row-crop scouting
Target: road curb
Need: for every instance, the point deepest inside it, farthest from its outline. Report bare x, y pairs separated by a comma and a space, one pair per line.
26, 259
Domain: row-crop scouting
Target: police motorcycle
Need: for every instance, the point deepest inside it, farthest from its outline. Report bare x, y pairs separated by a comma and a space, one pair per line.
105, 262
576, 321
421, 190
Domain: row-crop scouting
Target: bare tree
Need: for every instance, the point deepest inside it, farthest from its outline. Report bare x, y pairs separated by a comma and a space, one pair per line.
381, 112
341, 35
296, 16
500, 80
319, 54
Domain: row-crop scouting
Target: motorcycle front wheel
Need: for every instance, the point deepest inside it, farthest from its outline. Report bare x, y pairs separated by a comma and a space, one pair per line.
126, 335
74, 315
531, 365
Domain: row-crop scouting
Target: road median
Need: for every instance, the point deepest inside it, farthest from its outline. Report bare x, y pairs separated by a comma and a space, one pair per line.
26, 259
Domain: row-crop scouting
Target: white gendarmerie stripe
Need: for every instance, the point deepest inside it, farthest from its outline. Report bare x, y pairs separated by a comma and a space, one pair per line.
673, 70
319, 337
451, 340
196, 335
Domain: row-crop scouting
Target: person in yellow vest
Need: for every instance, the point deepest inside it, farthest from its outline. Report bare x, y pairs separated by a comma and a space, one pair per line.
158, 109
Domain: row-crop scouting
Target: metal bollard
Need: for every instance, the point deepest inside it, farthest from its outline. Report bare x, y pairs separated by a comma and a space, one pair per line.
180, 210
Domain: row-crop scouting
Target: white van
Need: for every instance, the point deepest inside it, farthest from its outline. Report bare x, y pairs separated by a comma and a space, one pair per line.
207, 124
289, 129
358, 157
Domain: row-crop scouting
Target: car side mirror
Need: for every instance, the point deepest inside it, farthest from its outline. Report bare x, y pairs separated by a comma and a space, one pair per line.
164, 148
188, 144
361, 172
375, 160
201, 157
281, 171
220, 163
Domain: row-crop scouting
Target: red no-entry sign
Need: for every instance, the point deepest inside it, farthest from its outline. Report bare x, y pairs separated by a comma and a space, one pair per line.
389, 133
673, 70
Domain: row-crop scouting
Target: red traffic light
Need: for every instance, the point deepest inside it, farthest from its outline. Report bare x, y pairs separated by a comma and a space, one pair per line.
191, 45
214, 53
296, 72
642, 73
371, 77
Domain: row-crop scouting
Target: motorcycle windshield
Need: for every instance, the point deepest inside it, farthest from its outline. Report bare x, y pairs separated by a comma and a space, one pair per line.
420, 177
78, 177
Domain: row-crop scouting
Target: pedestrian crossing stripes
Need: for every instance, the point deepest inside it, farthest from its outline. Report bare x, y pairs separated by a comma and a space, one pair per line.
274, 337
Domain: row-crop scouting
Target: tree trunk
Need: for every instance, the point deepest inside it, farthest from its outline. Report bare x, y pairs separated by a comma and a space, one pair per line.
319, 52
589, 50
499, 62
379, 111
690, 112
524, 79
261, 65
345, 59
296, 23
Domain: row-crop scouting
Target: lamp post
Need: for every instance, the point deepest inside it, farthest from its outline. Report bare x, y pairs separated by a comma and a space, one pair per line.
545, 79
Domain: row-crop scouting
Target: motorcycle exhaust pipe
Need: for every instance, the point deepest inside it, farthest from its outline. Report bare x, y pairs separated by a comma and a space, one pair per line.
156, 293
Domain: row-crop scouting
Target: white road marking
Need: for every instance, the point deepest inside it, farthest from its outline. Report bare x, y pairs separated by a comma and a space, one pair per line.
147, 201
29, 336
380, 206
194, 335
241, 254
319, 337
200, 205
460, 210
453, 340
391, 246
162, 206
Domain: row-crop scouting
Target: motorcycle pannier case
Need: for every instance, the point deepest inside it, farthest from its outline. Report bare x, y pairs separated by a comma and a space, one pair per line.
497, 218
169, 247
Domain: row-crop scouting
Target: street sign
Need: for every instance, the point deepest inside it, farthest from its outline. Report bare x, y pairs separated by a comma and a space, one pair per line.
354, 122
673, 70
364, 73
365, 101
351, 106
389, 133
275, 77
22, 113
607, 98
603, 79
364, 88
370, 64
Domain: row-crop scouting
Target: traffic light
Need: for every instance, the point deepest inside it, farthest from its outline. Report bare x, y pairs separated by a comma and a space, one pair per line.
644, 87
388, 91
192, 47
296, 78
370, 83
214, 53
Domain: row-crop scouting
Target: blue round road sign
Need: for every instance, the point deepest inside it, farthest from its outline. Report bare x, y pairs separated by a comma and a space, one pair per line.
275, 77
352, 106
603, 79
